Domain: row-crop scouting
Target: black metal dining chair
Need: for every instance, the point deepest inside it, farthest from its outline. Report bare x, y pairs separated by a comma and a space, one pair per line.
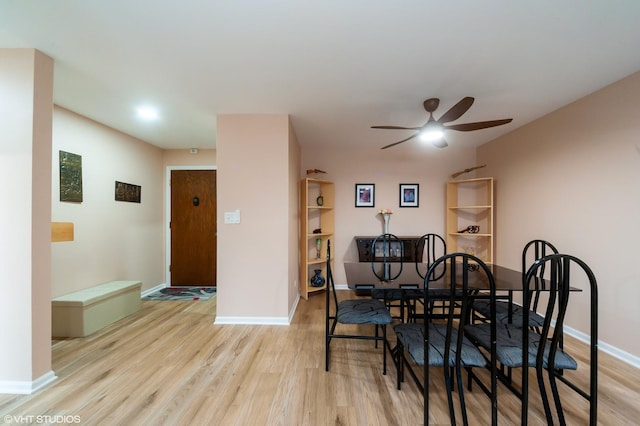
523, 347
432, 247
362, 311
510, 312
427, 249
441, 342
387, 262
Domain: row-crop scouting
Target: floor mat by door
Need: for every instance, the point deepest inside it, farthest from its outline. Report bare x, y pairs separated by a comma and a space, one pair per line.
182, 293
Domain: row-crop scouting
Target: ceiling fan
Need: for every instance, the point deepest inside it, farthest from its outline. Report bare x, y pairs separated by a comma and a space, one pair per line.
433, 130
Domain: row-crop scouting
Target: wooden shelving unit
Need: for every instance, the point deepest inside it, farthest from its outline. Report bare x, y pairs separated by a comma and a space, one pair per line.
313, 217
470, 203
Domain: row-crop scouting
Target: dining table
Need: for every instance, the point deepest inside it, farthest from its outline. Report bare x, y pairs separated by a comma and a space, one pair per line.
368, 276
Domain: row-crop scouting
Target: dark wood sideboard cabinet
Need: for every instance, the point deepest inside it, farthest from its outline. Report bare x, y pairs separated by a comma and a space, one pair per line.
411, 251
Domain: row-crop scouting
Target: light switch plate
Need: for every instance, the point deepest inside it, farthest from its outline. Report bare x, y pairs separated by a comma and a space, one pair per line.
232, 217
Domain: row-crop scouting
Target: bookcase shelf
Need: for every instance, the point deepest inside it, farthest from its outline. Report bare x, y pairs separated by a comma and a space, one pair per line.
316, 214
470, 203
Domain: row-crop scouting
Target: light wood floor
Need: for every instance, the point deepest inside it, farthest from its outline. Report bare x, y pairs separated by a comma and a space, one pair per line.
169, 365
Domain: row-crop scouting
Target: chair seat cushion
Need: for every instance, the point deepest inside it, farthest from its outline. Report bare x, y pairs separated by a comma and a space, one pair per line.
363, 311
502, 313
509, 346
411, 336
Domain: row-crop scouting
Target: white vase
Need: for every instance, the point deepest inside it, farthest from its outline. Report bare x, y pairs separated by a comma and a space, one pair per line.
386, 217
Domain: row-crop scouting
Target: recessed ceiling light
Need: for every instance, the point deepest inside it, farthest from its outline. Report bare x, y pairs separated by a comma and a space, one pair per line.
147, 113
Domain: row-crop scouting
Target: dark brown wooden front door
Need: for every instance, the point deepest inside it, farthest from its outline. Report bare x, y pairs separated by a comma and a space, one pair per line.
193, 228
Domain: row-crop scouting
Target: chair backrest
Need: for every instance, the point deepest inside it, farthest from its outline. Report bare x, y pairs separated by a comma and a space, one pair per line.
563, 271
330, 290
534, 250
468, 278
432, 247
387, 257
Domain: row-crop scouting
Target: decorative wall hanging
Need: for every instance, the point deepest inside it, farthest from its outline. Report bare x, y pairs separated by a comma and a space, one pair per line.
70, 177
128, 192
409, 193
365, 195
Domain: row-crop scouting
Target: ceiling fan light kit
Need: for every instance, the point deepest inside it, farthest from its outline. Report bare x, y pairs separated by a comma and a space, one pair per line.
433, 130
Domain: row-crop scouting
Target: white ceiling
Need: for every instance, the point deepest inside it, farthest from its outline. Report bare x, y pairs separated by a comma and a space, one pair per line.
336, 66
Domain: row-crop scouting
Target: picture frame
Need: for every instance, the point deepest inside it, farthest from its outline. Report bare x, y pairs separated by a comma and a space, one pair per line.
128, 192
409, 194
70, 177
365, 194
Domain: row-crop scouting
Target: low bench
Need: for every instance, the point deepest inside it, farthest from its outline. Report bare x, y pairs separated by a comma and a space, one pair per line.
83, 312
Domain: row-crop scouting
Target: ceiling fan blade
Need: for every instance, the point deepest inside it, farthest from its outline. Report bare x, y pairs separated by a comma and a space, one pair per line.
396, 127
399, 142
467, 127
440, 143
457, 110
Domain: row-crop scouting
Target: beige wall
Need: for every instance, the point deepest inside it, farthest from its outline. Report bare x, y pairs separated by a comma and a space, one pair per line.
114, 240
573, 178
183, 157
254, 157
26, 109
387, 169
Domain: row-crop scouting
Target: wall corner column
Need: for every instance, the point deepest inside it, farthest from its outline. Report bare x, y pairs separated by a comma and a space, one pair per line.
26, 118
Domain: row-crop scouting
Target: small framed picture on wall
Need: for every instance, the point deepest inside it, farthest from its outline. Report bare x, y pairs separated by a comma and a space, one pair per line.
365, 194
409, 194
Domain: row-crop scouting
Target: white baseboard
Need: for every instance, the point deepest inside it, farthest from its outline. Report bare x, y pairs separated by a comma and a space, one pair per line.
26, 388
259, 320
251, 320
293, 308
605, 347
153, 289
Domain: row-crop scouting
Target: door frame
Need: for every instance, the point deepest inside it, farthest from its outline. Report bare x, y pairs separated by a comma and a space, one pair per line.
167, 206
